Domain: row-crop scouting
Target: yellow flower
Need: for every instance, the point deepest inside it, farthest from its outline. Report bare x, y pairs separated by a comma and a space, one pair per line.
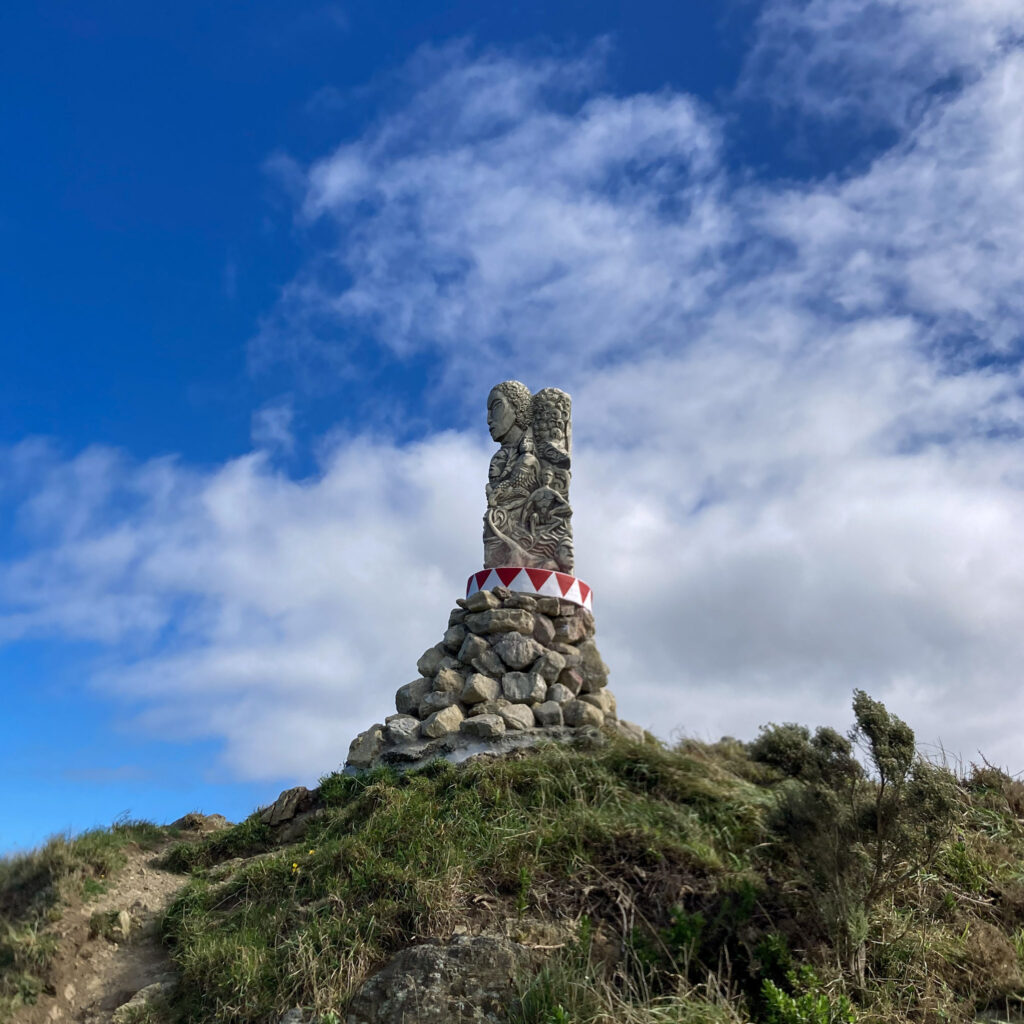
312, 851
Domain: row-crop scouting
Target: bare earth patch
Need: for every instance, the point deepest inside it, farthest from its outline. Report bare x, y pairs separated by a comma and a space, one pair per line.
98, 969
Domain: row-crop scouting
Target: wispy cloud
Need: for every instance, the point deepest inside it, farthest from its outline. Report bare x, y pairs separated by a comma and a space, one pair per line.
876, 63
798, 409
272, 426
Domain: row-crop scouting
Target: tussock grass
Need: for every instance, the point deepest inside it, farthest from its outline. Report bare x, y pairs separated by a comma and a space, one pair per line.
784, 881
34, 885
614, 834
676, 874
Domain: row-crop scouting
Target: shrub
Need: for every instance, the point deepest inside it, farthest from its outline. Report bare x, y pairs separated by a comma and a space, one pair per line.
856, 835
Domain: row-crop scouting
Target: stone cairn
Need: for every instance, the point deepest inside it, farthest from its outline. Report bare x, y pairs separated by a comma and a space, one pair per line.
518, 663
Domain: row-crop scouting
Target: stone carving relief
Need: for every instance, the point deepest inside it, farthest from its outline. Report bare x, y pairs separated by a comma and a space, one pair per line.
528, 518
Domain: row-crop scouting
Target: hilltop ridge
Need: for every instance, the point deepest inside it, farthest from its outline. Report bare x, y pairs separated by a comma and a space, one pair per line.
780, 881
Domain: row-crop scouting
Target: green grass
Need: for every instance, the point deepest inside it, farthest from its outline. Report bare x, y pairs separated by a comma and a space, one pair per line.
774, 882
559, 833
671, 857
33, 887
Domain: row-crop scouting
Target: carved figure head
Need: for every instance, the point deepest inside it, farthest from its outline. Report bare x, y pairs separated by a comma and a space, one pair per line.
508, 406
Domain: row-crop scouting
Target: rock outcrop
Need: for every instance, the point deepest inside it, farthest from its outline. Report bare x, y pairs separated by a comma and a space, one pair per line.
468, 979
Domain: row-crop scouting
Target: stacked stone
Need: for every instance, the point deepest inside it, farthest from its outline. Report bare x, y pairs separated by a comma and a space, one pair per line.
509, 663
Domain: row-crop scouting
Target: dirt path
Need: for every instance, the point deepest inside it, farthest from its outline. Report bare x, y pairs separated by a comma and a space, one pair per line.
92, 975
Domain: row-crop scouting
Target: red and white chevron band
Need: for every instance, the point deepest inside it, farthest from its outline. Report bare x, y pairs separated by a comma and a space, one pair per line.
546, 582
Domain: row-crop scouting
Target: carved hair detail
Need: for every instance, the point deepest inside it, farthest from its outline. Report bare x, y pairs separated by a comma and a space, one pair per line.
518, 397
551, 416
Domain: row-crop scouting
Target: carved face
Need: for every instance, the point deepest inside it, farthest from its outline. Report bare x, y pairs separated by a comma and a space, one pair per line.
501, 417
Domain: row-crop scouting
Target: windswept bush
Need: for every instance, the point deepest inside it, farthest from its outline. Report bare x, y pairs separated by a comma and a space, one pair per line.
854, 834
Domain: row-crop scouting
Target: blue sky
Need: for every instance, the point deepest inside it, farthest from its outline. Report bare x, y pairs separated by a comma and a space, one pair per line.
261, 263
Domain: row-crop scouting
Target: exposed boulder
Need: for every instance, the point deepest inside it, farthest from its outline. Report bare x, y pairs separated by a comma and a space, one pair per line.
366, 746
471, 980
290, 802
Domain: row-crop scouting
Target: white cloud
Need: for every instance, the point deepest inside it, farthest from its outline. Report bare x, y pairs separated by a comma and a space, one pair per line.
272, 426
797, 412
274, 605
875, 62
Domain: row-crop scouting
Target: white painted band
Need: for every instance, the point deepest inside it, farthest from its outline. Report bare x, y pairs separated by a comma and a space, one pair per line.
545, 582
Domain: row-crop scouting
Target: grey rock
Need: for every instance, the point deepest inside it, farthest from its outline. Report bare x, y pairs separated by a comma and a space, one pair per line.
518, 651
578, 712
548, 606
593, 670
571, 654
408, 697
571, 680
559, 694
603, 700
518, 716
401, 728
550, 666
412, 751
501, 620
449, 680
480, 688
458, 746
633, 732
482, 601
471, 980
587, 617
569, 630
518, 600
472, 647
456, 617
548, 713
366, 746
147, 1000
295, 1016
543, 629
299, 825
501, 593
196, 822
489, 664
568, 609
437, 701
488, 707
430, 660
521, 688
444, 721
453, 637
288, 804
484, 727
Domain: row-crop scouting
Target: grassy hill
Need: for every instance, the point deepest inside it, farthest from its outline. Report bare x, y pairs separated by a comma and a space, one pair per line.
780, 882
